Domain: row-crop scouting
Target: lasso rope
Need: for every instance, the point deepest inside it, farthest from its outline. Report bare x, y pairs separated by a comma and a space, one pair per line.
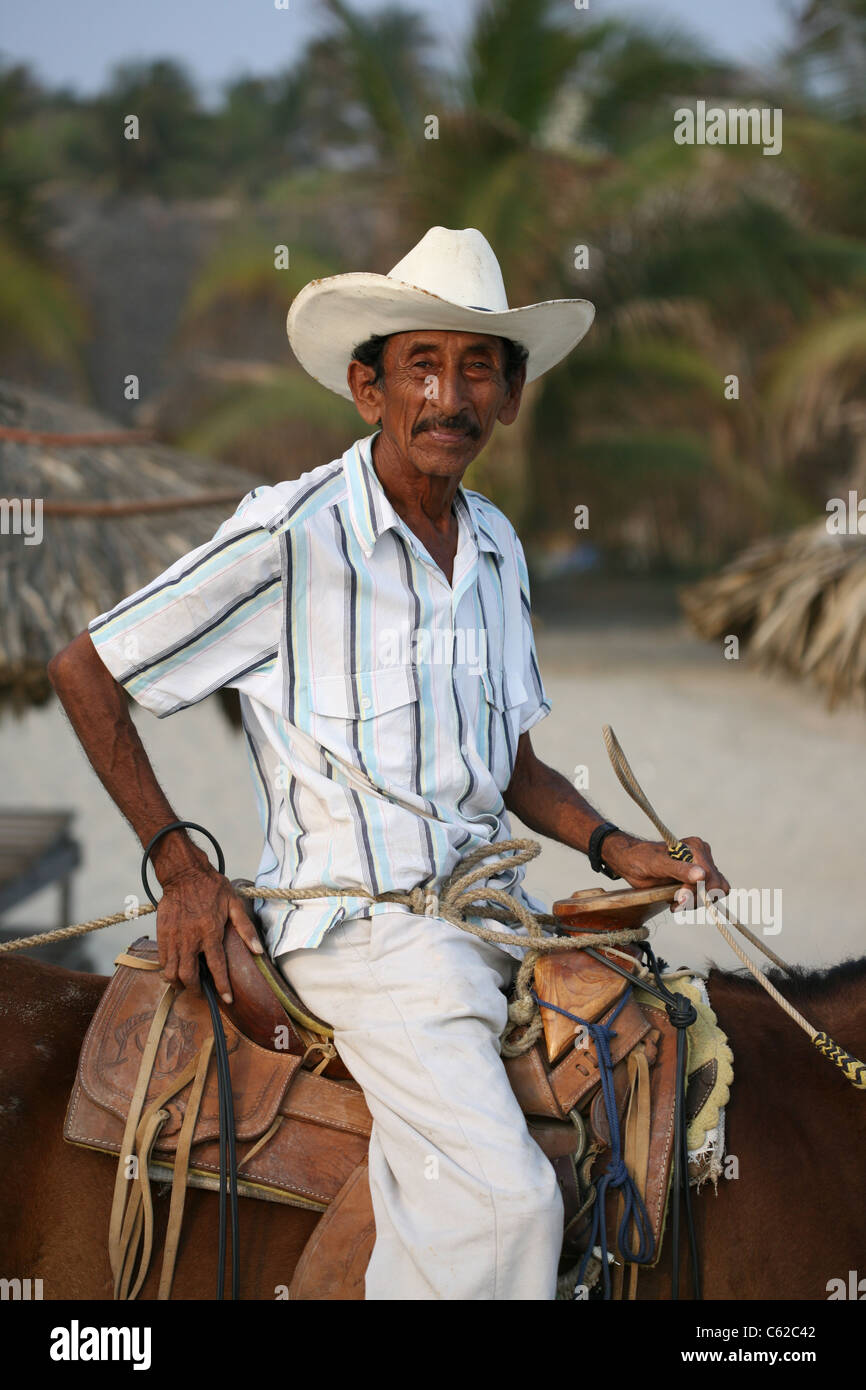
45, 938
853, 1069
464, 894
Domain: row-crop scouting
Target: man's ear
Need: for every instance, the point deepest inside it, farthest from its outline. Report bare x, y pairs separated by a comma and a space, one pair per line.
510, 407
366, 395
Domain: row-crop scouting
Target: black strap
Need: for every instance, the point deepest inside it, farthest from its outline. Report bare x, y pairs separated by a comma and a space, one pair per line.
596, 840
177, 825
228, 1153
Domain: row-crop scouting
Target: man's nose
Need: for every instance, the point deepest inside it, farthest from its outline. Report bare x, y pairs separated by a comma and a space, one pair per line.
452, 395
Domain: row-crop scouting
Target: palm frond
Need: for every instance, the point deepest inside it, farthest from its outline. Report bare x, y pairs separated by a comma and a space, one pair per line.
242, 269
640, 454
808, 379
386, 56
520, 55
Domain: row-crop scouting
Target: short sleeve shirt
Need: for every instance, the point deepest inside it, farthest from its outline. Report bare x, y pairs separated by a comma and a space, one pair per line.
381, 705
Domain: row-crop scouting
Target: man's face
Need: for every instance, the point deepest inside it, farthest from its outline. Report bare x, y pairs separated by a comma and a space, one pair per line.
441, 396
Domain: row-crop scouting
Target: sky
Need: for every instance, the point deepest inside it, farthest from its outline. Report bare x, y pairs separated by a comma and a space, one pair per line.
74, 43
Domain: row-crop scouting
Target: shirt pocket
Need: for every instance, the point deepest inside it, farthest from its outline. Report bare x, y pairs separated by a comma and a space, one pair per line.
368, 719
504, 696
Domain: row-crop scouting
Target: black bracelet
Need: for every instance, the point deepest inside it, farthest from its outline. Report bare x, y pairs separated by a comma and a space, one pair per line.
596, 840
177, 825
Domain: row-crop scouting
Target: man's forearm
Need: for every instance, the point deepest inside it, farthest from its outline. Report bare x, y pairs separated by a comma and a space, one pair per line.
98, 712
547, 802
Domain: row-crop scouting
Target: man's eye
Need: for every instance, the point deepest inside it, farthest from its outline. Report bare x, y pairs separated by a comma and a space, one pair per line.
423, 363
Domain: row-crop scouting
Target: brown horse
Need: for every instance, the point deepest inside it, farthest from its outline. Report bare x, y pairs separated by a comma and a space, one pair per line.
791, 1221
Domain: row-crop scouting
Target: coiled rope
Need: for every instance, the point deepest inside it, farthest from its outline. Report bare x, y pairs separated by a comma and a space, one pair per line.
464, 895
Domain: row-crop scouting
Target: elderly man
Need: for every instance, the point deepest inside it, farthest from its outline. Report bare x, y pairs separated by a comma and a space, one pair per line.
374, 616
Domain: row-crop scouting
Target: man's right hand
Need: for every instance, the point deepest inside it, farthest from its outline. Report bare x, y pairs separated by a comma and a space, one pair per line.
196, 906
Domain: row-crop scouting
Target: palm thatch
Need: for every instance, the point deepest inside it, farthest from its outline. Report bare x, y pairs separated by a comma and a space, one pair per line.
799, 603
86, 564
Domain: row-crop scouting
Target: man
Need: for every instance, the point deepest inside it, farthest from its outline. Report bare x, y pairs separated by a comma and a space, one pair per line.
374, 616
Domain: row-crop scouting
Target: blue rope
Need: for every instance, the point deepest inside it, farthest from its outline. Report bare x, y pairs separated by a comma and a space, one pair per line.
616, 1174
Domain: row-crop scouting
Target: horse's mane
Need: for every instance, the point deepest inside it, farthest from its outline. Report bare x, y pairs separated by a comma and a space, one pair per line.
802, 986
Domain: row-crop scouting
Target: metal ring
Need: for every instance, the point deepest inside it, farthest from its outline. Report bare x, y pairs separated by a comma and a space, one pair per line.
178, 825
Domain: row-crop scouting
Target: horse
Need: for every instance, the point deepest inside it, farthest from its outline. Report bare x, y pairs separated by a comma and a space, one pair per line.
786, 1223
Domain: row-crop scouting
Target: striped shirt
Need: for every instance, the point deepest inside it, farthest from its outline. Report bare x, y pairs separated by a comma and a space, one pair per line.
381, 705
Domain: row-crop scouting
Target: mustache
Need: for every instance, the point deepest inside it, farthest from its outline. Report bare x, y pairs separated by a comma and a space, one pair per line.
453, 422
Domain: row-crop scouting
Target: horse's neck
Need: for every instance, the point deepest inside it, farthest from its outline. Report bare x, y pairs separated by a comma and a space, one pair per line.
834, 1003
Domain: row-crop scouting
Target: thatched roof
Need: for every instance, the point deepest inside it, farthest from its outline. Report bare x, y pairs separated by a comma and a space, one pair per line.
86, 562
799, 604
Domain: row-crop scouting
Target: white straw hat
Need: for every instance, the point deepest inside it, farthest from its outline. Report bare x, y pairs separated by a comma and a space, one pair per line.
450, 280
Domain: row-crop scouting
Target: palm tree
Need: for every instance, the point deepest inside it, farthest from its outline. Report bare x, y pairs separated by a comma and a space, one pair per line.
169, 153
384, 63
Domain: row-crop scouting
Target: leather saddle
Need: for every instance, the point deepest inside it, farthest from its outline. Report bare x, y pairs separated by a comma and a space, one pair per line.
146, 1089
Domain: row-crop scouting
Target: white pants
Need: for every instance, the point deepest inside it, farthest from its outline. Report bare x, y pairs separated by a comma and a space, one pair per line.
466, 1204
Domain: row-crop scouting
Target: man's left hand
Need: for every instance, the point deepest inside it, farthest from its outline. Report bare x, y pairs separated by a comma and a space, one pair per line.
646, 863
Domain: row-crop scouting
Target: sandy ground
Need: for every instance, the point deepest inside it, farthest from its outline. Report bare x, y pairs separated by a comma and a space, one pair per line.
757, 767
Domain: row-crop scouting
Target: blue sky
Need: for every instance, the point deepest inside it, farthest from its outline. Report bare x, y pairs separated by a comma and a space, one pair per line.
75, 42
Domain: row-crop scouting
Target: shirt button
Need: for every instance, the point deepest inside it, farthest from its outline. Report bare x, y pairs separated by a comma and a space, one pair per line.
365, 702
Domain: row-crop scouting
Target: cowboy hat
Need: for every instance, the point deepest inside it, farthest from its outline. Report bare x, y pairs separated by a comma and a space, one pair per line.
450, 280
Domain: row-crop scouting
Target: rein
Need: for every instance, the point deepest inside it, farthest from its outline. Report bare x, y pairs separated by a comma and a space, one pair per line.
228, 1154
